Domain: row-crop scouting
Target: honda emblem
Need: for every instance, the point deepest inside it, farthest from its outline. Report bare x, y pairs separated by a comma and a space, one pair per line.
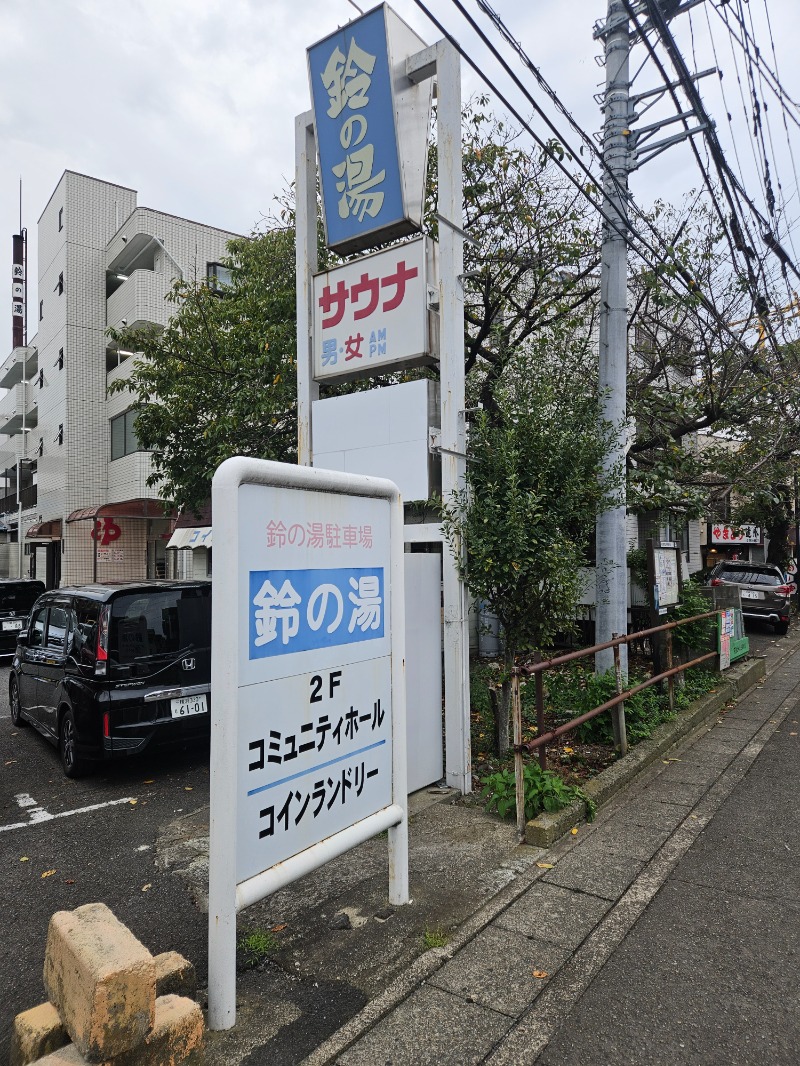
188, 664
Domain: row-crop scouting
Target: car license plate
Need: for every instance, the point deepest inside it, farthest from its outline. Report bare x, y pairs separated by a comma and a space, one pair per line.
748, 595
15, 623
183, 706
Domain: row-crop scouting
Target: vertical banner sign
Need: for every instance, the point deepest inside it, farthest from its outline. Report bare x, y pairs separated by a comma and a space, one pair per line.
18, 291
308, 714
371, 126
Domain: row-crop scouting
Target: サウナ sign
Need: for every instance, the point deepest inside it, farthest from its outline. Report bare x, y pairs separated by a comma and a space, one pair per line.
372, 313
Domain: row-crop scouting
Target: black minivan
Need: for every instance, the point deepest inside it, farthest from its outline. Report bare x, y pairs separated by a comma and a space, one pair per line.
105, 671
16, 599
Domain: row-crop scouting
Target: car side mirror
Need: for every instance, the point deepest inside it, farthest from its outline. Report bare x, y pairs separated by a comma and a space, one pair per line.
22, 638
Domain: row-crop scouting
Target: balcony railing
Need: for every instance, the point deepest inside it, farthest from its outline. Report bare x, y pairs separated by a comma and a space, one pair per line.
28, 496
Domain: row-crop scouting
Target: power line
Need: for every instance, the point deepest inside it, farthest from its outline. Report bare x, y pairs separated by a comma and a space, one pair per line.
683, 273
772, 79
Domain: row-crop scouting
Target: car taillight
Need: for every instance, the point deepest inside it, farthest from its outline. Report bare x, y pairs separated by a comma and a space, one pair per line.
716, 581
784, 590
101, 664
106, 725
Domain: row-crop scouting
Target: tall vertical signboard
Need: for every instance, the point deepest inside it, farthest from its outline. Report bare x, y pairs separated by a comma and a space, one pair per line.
371, 125
18, 291
308, 697
371, 91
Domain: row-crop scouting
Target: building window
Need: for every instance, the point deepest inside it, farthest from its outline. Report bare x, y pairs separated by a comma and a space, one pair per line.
41, 310
40, 379
60, 218
60, 361
40, 448
60, 434
219, 276
60, 285
123, 435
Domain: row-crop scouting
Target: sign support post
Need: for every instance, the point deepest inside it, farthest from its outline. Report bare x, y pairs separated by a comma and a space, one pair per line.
451, 325
308, 688
305, 252
443, 62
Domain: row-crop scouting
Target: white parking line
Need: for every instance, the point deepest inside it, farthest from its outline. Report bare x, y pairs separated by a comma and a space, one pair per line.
39, 814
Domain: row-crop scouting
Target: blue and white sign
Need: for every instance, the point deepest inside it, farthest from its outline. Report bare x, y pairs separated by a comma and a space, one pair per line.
304, 610
372, 181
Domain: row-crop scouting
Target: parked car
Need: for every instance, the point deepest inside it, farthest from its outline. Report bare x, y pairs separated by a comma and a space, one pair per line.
765, 593
107, 671
17, 596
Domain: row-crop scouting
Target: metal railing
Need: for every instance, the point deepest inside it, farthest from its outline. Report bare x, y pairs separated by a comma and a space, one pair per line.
28, 497
616, 705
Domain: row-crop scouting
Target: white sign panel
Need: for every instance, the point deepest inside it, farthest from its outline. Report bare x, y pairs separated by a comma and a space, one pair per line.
372, 314
721, 534
666, 562
307, 687
315, 701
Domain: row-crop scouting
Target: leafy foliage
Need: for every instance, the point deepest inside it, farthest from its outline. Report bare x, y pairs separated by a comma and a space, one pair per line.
544, 791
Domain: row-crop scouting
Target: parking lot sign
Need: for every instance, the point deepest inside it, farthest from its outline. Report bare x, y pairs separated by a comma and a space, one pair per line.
308, 714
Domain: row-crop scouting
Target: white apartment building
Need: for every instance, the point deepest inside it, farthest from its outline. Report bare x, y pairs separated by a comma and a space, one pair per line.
87, 511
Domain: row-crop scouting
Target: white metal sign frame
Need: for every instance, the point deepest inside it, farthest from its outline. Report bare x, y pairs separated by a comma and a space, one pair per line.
233, 884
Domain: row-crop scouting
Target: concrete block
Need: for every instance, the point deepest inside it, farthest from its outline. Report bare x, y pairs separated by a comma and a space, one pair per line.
36, 1033
176, 1039
175, 975
65, 1056
101, 980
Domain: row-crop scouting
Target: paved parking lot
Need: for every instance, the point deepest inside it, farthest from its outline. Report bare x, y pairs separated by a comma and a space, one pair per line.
64, 843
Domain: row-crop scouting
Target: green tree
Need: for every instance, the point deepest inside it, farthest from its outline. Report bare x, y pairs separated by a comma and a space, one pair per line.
219, 379
534, 487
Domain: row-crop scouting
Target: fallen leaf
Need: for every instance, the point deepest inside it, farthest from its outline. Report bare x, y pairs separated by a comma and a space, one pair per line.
540, 974
545, 865
793, 734
9, 762
146, 887
569, 751
149, 781
574, 832
24, 859
278, 928
133, 802
69, 881
188, 788
48, 873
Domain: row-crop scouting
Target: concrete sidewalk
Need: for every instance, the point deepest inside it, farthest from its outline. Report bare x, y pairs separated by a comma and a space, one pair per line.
667, 932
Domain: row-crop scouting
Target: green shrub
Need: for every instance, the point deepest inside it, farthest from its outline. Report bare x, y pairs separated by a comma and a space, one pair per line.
544, 791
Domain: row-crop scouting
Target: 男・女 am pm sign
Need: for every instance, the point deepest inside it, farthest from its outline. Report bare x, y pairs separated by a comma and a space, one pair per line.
308, 697
372, 313
371, 127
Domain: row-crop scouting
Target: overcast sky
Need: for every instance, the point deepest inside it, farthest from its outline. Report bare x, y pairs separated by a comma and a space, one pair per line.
191, 102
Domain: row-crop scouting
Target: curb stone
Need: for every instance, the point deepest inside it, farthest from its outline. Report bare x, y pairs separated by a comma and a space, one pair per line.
544, 830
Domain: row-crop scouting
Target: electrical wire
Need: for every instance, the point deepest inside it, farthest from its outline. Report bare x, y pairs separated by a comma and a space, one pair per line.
625, 232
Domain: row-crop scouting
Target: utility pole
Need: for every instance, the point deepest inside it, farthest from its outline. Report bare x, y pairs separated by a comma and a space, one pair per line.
611, 609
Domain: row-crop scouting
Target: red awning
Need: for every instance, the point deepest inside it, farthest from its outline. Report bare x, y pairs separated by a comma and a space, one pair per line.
124, 509
45, 531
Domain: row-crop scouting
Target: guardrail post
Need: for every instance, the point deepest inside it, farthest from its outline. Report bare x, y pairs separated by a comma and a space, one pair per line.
540, 717
671, 678
519, 769
618, 712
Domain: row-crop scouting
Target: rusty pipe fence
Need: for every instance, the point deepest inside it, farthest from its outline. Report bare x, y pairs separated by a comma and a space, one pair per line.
616, 705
